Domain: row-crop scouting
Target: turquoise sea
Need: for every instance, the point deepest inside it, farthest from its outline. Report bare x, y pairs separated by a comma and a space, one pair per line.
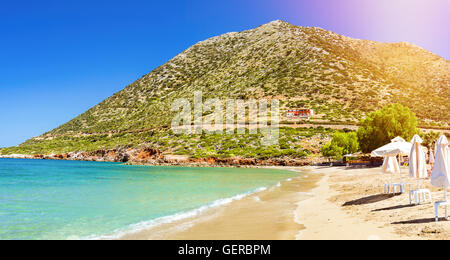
43, 199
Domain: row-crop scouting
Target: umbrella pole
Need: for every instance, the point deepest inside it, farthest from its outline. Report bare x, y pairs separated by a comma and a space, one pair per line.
445, 193
417, 166
400, 169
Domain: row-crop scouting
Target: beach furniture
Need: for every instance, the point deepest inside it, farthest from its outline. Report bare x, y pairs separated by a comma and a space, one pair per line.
441, 173
420, 195
397, 147
395, 187
391, 166
418, 170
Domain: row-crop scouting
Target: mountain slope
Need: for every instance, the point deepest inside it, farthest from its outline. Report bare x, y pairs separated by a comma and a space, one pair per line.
340, 77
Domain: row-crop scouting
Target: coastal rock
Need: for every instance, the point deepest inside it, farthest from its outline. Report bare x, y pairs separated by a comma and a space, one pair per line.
153, 156
147, 154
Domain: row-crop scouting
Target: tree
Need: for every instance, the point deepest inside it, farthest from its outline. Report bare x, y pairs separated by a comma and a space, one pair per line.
381, 126
341, 144
430, 138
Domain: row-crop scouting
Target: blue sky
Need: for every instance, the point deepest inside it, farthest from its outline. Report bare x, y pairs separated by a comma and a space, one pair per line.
59, 58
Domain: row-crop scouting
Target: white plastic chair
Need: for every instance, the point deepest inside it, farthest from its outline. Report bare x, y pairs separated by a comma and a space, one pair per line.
436, 208
393, 187
426, 195
438, 204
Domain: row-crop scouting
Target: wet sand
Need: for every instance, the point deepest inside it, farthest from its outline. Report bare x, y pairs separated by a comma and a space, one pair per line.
264, 215
322, 203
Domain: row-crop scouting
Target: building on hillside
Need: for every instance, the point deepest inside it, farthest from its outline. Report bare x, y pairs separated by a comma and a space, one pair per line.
300, 113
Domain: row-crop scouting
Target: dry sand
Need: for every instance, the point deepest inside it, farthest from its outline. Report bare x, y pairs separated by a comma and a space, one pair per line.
326, 218
357, 209
322, 203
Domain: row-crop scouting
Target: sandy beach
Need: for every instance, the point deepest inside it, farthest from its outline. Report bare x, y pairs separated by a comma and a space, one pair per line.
322, 203
356, 208
265, 215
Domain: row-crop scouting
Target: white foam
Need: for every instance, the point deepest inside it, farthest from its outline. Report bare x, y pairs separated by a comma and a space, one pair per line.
117, 234
172, 218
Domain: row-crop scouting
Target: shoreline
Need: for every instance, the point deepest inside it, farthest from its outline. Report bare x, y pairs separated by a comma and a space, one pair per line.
180, 216
322, 203
242, 218
152, 157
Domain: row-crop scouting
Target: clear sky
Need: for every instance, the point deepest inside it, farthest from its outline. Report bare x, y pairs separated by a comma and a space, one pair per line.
59, 58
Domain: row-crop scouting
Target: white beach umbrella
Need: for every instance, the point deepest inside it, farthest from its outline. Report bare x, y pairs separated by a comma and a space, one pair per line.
398, 139
440, 176
397, 146
417, 161
390, 165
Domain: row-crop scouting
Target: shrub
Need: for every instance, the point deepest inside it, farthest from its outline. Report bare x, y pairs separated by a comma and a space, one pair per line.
385, 124
341, 144
430, 138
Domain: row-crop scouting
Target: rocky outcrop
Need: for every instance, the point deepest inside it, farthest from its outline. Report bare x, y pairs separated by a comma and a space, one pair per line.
146, 154
152, 156
254, 162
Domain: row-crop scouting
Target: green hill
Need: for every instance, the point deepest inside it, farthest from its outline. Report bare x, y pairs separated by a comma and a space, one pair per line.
341, 78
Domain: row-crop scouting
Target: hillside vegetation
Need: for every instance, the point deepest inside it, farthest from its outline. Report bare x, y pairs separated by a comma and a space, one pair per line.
341, 78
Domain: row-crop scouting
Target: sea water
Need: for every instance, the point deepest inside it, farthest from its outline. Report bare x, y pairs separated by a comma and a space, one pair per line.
44, 199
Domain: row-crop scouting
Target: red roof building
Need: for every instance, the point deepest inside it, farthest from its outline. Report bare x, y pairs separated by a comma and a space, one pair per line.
300, 113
